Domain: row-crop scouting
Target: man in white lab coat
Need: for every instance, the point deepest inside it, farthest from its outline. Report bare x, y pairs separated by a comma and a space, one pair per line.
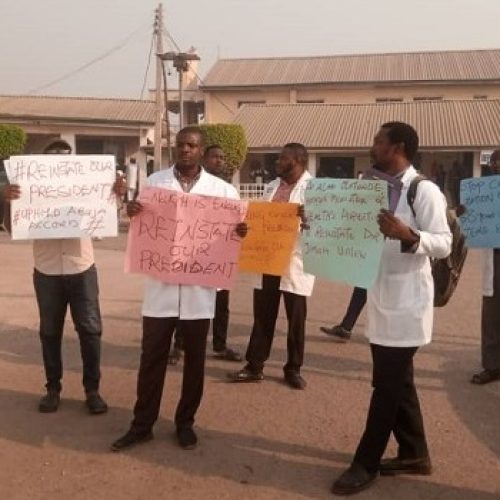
167, 307
400, 316
490, 310
295, 286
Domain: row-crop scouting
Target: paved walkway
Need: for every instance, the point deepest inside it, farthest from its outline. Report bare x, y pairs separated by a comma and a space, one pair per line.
262, 441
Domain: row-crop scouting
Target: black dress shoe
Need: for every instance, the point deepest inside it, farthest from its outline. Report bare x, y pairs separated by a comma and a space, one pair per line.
175, 356
95, 403
131, 438
355, 478
295, 381
394, 466
245, 375
228, 354
50, 402
187, 438
338, 332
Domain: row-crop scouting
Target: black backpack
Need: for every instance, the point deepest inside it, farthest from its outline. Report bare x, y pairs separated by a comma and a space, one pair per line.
445, 272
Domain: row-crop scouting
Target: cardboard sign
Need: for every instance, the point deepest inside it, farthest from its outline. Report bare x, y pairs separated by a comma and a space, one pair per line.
63, 196
344, 242
481, 220
272, 234
185, 239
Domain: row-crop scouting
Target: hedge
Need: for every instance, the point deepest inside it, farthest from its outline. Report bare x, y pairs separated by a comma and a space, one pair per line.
231, 138
12, 140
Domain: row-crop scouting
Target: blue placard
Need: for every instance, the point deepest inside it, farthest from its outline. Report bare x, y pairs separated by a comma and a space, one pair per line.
481, 220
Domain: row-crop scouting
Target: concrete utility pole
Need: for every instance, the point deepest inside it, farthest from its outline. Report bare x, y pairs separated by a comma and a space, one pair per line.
158, 27
181, 64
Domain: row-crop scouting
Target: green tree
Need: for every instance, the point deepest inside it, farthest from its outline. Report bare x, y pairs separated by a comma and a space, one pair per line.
12, 140
231, 138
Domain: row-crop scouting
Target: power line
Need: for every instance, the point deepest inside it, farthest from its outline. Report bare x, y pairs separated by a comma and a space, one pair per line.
144, 83
83, 67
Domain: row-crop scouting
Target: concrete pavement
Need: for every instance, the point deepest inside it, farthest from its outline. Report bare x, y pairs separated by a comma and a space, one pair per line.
256, 440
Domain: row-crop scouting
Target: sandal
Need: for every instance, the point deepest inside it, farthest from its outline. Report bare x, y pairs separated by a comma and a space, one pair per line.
485, 377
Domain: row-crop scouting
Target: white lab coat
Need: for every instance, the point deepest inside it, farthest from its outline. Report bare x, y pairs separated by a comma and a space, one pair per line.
295, 280
487, 261
400, 303
162, 300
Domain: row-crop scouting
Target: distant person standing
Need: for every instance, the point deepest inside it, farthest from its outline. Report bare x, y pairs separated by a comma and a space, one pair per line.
295, 285
490, 314
65, 275
342, 332
214, 161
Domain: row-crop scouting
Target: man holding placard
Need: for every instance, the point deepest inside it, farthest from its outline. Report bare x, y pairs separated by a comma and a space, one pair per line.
490, 312
400, 316
168, 306
295, 285
65, 274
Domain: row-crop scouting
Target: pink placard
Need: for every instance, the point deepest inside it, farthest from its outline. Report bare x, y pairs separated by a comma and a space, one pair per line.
185, 239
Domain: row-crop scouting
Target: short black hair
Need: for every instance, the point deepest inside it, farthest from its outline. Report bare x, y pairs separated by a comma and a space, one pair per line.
193, 129
495, 156
399, 132
212, 146
299, 151
57, 144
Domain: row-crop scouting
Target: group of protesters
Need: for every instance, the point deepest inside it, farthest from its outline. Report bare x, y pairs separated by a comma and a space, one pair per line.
399, 306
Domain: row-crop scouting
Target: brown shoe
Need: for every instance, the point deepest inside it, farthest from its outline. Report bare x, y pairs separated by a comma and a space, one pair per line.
395, 466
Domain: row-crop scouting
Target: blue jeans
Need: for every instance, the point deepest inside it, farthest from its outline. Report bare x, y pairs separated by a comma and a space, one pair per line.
81, 292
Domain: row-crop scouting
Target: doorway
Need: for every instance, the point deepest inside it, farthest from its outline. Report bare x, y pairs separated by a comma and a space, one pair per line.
338, 167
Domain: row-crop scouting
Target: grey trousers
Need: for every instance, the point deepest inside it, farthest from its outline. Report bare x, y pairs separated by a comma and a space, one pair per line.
490, 322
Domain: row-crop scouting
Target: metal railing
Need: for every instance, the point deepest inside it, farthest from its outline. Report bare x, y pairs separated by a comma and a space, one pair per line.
251, 190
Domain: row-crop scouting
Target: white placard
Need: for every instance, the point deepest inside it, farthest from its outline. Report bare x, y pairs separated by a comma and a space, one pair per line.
63, 196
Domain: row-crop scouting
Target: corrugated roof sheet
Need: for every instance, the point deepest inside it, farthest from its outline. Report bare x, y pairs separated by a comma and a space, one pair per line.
464, 65
440, 124
119, 111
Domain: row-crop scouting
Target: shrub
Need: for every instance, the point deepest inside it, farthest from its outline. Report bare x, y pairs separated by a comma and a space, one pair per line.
231, 138
12, 140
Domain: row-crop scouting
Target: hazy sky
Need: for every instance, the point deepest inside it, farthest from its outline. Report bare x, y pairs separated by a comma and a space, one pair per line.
42, 40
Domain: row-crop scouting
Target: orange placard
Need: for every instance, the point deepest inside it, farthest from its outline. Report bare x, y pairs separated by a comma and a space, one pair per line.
272, 233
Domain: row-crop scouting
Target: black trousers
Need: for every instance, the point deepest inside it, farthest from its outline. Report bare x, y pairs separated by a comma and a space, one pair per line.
156, 340
356, 305
490, 321
81, 292
266, 304
220, 322
394, 407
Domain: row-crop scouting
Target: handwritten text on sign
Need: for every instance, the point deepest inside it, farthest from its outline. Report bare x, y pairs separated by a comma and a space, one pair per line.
344, 242
481, 221
66, 196
185, 238
272, 233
